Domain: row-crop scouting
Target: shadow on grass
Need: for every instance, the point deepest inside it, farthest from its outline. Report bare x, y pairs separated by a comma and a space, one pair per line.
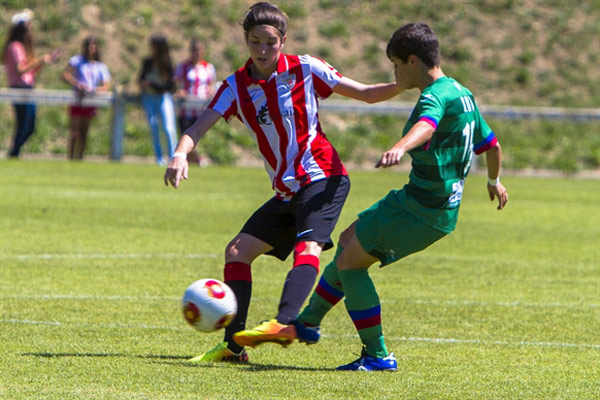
251, 367
148, 356
178, 360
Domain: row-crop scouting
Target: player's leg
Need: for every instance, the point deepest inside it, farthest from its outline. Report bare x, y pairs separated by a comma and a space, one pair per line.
239, 255
299, 281
326, 295
316, 209
362, 301
385, 232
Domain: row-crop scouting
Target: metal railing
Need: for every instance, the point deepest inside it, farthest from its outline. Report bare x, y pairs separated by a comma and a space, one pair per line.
117, 100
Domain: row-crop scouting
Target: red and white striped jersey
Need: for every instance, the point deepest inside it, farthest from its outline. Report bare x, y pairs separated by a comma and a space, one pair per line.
196, 80
282, 114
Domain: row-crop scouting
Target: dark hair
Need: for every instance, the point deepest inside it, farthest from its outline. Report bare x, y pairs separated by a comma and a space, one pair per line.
196, 42
85, 48
417, 39
161, 57
264, 13
19, 33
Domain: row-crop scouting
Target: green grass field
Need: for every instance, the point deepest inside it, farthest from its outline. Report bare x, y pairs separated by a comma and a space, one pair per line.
95, 257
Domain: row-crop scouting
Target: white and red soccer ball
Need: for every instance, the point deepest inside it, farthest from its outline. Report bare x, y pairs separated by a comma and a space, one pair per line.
209, 305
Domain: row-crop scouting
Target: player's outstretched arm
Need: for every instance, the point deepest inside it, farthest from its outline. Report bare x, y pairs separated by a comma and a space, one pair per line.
178, 166
419, 134
369, 93
495, 189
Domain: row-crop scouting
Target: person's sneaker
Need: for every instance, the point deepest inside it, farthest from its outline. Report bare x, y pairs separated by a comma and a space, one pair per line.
220, 353
267, 332
305, 333
369, 363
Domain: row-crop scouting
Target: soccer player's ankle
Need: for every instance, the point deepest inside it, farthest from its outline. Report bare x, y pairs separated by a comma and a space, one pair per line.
377, 348
234, 347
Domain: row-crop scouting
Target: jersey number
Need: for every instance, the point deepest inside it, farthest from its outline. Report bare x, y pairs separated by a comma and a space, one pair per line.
468, 153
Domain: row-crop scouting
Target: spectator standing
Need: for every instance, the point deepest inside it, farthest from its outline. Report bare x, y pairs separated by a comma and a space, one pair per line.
21, 65
88, 76
194, 78
156, 83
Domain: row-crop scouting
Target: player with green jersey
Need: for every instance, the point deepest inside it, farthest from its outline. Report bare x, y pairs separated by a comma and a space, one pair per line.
441, 135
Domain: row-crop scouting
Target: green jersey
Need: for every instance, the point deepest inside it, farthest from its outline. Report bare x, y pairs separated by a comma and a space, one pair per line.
439, 167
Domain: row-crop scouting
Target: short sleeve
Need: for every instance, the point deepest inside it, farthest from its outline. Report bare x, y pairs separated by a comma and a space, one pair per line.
75, 61
484, 138
224, 102
430, 109
105, 72
325, 77
17, 52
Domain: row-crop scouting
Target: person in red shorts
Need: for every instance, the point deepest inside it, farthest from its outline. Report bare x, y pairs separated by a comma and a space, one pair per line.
87, 75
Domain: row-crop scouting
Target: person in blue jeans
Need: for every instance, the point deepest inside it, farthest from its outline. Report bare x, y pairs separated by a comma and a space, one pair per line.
156, 83
21, 65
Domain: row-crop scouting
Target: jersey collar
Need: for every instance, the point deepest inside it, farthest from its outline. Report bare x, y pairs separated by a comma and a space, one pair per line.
282, 66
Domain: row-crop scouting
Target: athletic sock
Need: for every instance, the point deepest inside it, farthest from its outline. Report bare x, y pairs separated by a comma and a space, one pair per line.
362, 303
326, 295
298, 284
238, 277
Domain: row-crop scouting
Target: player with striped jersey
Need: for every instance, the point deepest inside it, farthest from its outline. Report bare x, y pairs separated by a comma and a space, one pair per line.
276, 96
443, 132
194, 78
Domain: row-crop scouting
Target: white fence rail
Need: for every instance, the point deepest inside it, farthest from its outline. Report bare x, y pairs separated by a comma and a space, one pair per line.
118, 100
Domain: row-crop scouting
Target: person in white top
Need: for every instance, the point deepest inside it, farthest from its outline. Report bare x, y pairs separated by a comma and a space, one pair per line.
276, 96
88, 76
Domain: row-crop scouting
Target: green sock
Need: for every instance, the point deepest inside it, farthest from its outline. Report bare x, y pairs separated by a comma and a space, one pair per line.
362, 303
326, 295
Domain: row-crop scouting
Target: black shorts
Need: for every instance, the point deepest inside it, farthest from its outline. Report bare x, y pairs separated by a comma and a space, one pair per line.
311, 215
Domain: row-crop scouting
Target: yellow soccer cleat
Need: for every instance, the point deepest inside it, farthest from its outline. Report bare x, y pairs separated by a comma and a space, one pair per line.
267, 332
220, 353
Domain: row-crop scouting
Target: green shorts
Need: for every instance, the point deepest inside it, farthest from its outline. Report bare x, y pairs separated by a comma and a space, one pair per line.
388, 232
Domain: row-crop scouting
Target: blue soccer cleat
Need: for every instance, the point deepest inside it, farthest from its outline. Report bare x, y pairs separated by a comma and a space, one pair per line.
369, 363
306, 334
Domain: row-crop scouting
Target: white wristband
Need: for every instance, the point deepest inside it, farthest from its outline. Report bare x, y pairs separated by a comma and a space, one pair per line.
493, 182
179, 154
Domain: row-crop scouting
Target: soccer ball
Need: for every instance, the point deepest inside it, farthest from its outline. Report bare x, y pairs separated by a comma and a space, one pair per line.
209, 305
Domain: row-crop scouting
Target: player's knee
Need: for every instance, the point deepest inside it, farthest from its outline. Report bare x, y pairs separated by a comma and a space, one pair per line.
346, 235
304, 254
231, 251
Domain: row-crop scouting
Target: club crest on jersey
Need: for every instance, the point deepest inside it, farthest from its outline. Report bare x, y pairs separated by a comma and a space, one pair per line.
263, 116
290, 81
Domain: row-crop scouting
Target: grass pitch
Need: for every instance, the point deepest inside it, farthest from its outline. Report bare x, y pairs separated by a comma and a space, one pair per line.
94, 259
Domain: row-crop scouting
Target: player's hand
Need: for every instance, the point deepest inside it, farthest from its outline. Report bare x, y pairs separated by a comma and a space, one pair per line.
499, 192
177, 170
390, 158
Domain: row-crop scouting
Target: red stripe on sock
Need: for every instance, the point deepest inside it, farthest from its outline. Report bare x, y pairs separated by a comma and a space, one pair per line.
307, 259
328, 297
368, 322
238, 271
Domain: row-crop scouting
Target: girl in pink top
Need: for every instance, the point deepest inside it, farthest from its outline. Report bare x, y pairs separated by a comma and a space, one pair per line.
21, 66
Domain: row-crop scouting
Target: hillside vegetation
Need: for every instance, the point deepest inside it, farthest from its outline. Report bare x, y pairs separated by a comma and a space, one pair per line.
527, 52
